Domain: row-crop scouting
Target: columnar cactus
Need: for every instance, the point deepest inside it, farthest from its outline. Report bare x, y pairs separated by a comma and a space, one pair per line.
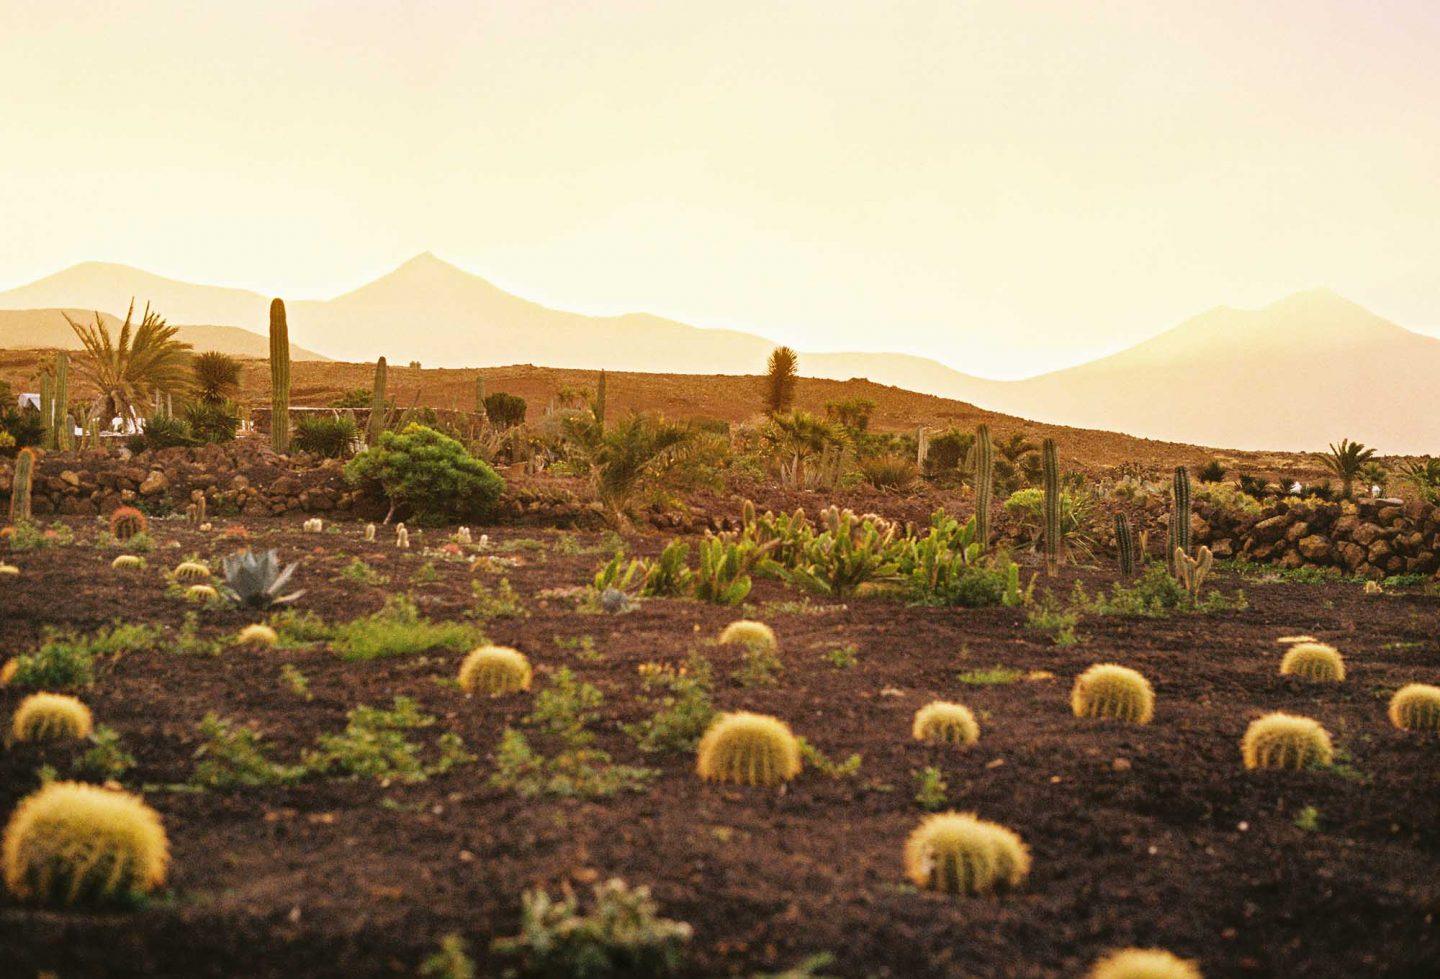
1144, 963
60, 425
922, 447
1054, 536
50, 717
1314, 661
1180, 515
1416, 707
959, 853
984, 484
21, 486
751, 749
945, 723
495, 671
47, 410
1192, 571
70, 842
377, 405
600, 400
1281, 740
1111, 691
279, 377
1125, 544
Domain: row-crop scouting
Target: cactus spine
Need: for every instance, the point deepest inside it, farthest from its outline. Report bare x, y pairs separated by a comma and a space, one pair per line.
60, 403
1179, 516
20, 487
984, 484
600, 401
1050, 459
377, 405
279, 377
1125, 544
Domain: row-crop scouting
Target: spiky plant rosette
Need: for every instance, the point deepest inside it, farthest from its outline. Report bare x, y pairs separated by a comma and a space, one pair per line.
255, 581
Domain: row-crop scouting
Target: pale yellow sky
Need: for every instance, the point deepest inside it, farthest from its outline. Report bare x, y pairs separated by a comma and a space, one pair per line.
1007, 186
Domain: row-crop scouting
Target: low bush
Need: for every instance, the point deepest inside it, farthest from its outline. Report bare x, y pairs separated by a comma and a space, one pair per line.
427, 476
398, 630
332, 436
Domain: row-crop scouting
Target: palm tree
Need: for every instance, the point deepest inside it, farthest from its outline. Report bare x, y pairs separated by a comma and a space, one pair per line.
636, 450
217, 376
1346, 460
145, 362
802, 436
780, 380
1424, 475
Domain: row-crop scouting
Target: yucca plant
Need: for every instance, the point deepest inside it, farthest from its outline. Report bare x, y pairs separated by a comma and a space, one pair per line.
1345, 460
217, 376
256, 582
781, 377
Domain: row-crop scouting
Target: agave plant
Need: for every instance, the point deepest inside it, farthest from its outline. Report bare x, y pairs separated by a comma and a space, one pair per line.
255, 582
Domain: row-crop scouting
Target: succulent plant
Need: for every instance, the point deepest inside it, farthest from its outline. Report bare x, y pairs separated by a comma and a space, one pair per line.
21, 484
745, 632
751, 749
1111, 691
1416, 707
959, 853
50, 717
70, 842
256, 634
191, 571
127, 562
1282, 740
369, 531
256, 582
939, 721
201, 593
126, 522
279, 378
495, 670
1313, 661
613, 601
1143, 963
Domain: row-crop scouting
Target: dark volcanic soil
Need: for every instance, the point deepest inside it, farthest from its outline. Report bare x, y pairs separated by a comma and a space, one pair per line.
1141, 835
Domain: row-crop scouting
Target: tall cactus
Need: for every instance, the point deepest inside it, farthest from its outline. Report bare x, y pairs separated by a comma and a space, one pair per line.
600, 401
47, 410
1179, 537
922, 447
479, 394
279, 377
21, 485
984, 484
377, 405
1125, 544
1054, 538
60, 398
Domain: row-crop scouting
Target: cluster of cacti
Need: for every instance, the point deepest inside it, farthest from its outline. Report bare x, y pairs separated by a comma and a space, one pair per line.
959, 853
191, 571
1416, 707
377, 405
750, 749
21, 486
402, 537
1144, 963
257, 634
945, 723
1125, 544
1054, 533
756, 635
50, 717
1111, 691
127, 522
463, 537
195, 513
1179, 528
494, 671
1282, 740
127, 562
70, 843
1313, 661
984, 484
313, 526
1191, 572
279, 378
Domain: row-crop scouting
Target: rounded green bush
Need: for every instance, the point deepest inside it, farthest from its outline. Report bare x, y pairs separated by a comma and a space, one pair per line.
427, 473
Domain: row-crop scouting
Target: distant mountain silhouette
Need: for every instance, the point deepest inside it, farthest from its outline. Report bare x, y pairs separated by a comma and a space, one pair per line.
1294, 375
23, 329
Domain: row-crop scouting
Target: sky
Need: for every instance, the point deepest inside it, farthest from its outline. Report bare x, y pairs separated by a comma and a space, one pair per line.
1004, 185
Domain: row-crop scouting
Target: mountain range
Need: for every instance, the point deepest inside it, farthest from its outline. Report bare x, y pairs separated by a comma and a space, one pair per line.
1296, 374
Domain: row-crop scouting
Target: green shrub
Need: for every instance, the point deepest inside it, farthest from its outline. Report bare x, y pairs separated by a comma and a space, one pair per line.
505, 410
326, 435
66, 660
683, 709
233, 757
428, 474
398, 630
212, 422
373, 745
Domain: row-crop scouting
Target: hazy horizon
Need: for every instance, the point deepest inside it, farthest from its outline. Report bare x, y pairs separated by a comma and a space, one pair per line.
1008, 188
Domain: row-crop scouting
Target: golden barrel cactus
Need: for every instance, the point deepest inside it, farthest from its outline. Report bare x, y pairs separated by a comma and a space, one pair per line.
1282, 740
751, 749
947, 723
50, 717
1313, 661
1111, 691
1144, 963
1416, 707
494, 671
959, 853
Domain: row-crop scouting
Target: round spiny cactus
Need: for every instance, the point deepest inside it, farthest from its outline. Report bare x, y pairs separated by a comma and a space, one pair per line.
127, 562
939, 721
256, 635
756, 635
495, 670
1285, 741
1144, 963
1117, 692
50, 717
192, 571
1416, 707
201, 593
1292, 640
126, 522
961, 854
1313, 661
752, 749
73, 842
